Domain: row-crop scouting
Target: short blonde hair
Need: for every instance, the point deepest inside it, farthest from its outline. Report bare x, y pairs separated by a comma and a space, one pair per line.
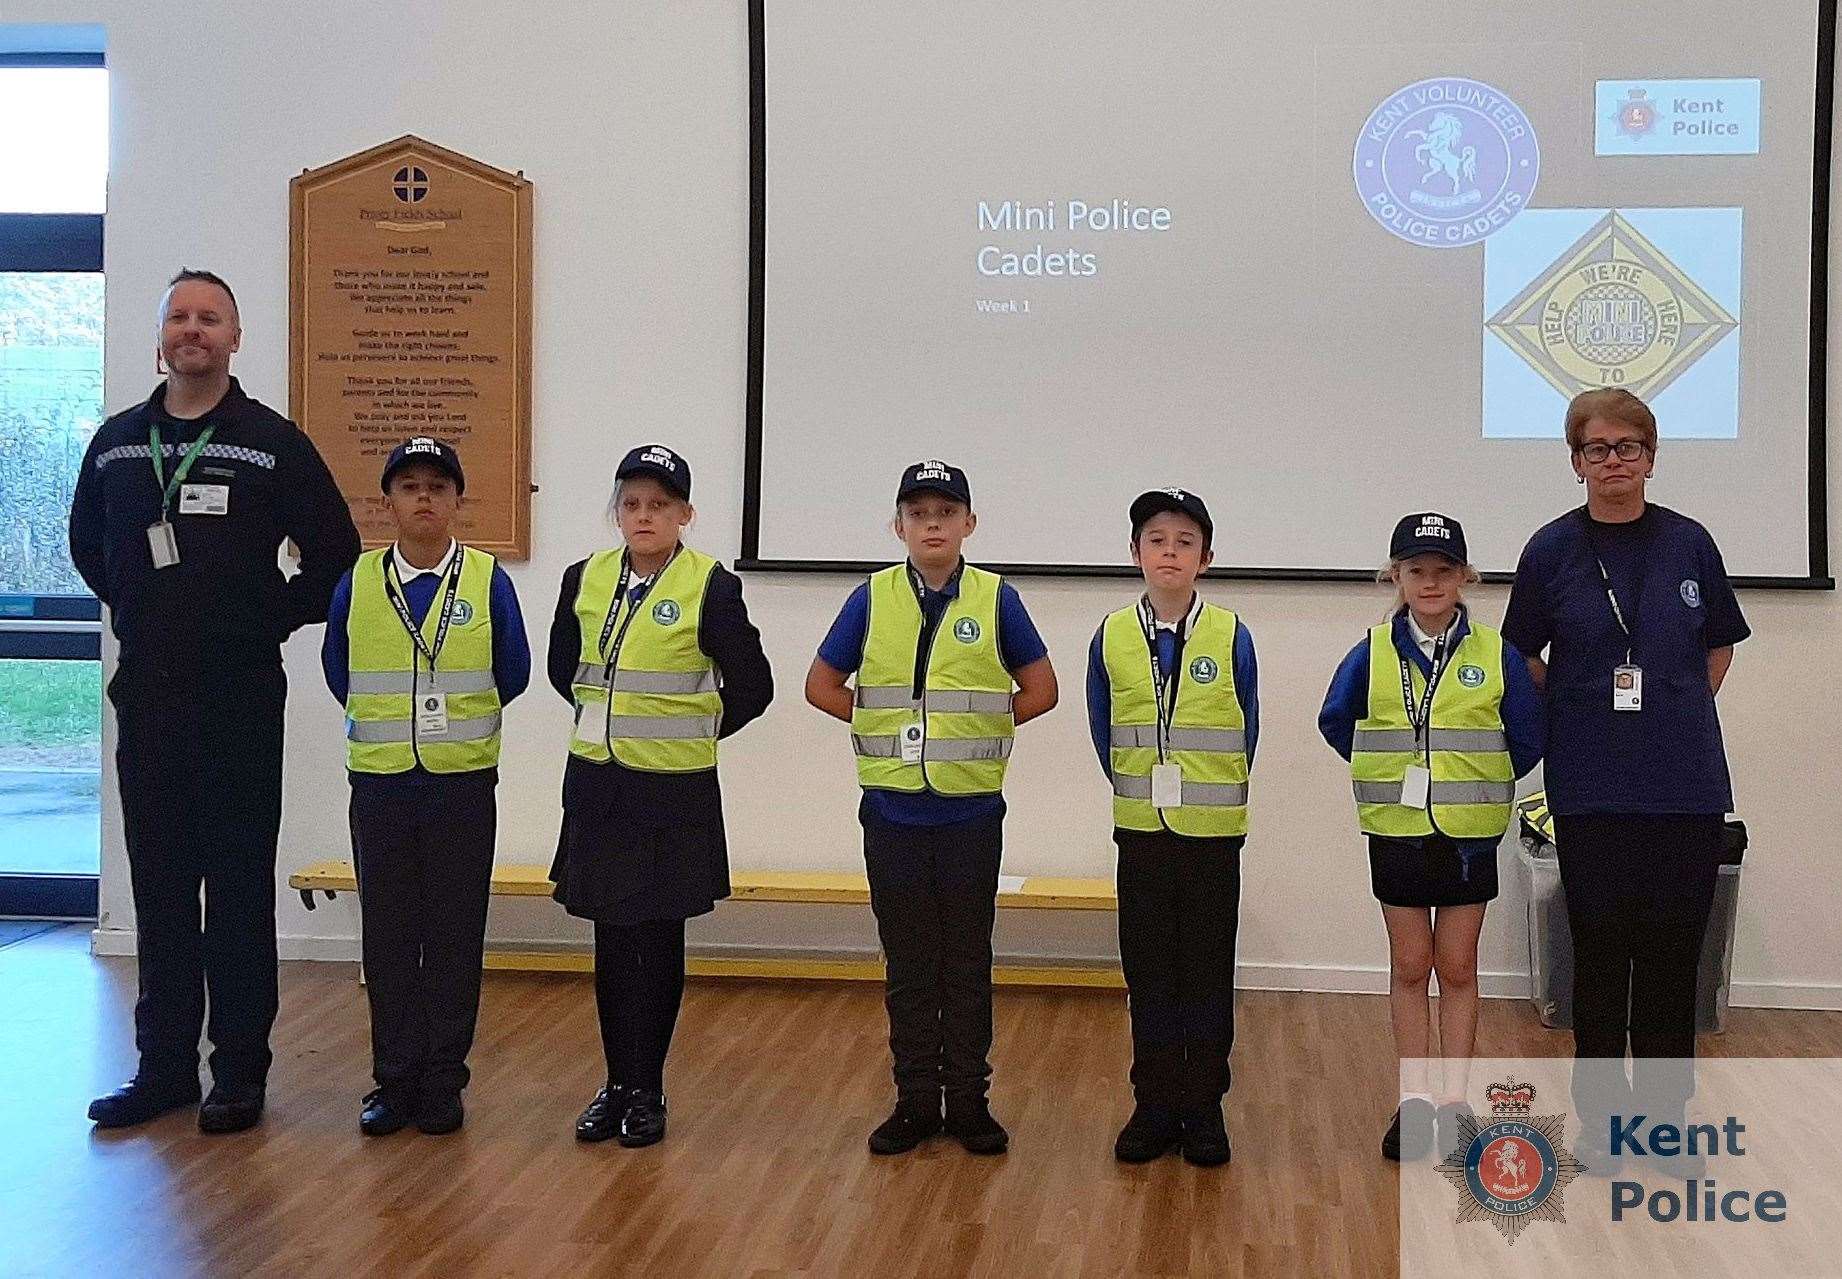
1614, 404
1386, 574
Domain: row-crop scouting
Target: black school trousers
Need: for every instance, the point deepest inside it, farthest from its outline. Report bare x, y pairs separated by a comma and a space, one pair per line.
1179, 913
424, 850
934, 890
198, 763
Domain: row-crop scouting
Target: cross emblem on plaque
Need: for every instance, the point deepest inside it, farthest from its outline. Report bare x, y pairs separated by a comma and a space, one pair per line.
410, 183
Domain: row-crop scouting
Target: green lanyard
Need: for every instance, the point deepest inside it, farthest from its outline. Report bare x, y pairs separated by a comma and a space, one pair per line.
170, 487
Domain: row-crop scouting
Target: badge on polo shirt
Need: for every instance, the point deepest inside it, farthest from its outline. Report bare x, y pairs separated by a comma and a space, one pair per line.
204, 499
1627, 688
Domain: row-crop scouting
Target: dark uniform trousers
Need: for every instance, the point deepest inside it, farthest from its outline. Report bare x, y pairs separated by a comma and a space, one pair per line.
934, 890
1179, 913
424, 852
198, 757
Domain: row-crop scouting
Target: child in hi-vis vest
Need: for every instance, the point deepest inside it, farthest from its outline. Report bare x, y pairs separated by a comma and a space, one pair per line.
1174, 712
1438, 717
947, 664
653, 647
424, 645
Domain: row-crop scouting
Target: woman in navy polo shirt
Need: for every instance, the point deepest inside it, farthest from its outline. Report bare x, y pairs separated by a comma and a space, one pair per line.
1631, 603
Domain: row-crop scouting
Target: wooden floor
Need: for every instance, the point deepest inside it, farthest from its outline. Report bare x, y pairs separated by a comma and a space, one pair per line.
773, 1089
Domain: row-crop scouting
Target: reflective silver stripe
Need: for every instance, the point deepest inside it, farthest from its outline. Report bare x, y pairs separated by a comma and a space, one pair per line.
1440, 792
664, 681
594, 673
955, 750
961, 702
377, 731
1477, 740
1195, 794
404, 682
661, 727
939, 750
886, 697
1224, 741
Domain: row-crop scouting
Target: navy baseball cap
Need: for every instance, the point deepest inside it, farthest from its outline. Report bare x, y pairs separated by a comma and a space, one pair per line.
424, 448
934, 477
1182, 501
661, 464
1429, 532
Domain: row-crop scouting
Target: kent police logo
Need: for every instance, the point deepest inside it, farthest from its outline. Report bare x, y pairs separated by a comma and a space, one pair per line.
966, 631
665, 612
1445, 162
1636, 115
1612, 310
1204, 670
1691, 592
1513, 1169
410, 183
463, 612
1471, 676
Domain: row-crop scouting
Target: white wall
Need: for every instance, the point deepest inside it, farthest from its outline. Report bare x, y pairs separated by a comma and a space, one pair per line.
632, 121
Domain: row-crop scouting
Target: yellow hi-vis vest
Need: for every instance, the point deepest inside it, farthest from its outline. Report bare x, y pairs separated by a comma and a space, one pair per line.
664, 709
387, 674
1207, 734
1465, 748
964, 709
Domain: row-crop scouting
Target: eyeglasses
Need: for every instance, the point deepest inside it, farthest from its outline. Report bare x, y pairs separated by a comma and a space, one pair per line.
1599, 450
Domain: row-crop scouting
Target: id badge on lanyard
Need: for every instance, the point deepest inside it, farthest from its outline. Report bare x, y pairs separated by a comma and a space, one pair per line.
1417, 784
1628, 676
1166, 775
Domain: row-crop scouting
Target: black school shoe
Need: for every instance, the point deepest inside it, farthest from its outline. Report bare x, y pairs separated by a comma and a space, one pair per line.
1420, 1117
969, 1122
602, 1118
913, 1121
439, 1113
141, 1099
644, 1120
1205, 1137
231, 1108
386, 1110
1152, 1132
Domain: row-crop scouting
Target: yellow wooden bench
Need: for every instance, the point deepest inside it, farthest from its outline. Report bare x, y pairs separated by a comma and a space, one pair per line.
842, 888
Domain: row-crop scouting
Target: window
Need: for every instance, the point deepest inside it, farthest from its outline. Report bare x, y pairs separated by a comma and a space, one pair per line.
52, 179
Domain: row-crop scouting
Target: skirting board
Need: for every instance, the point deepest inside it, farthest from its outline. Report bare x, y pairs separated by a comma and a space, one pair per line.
1030, 969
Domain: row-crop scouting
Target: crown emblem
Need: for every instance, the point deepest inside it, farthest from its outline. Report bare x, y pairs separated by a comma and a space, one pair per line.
1511, 1098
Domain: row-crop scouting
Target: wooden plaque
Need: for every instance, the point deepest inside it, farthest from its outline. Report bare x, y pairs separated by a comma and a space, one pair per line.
410, 314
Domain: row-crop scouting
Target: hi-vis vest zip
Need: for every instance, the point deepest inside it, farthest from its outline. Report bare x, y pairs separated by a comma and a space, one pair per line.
964, 707
653, 704
1465, 748
1207, 736
387, 671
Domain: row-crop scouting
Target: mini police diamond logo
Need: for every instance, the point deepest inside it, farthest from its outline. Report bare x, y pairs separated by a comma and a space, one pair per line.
410, 183
463, 612
1691, 592
966, 630
1204, 670
1445, 162
1612, 310
1471, 676
665, 612
1636, 115
1513, 1169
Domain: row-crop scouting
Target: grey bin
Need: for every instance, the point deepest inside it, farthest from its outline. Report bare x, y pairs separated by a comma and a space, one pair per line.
1551, 943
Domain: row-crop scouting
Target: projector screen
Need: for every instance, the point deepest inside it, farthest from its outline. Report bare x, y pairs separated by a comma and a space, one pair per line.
1321, 263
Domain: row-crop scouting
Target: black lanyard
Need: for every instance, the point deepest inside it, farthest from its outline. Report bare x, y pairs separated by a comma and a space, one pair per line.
608, 655
930, 627
1611, 596
394, 589
1420, 722
1163, 683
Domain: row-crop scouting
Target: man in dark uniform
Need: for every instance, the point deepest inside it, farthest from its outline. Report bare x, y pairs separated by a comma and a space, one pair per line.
180, 511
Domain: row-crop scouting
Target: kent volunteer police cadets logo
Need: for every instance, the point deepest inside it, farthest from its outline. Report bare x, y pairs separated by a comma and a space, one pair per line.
1204, 670
1513, 1169
1691, 592
665, 612
1445, 162
463, 612
1471, 676
966, 630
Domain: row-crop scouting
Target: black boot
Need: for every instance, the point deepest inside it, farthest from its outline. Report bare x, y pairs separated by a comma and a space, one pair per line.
386, 1110
1205, 1137
439, 1113
141, 1099
916, 1118
970, 1123
602, 1118
231, 1108
1152, 1132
